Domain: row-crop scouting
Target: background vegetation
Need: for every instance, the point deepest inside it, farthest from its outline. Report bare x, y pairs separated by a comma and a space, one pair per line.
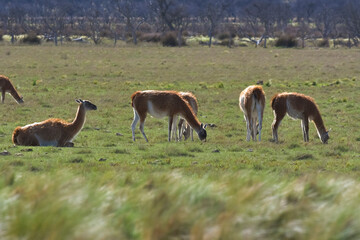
108, 187
151, 20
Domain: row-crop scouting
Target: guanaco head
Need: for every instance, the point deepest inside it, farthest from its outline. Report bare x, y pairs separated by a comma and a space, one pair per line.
325, 137
87, 104
202, 133
20, 100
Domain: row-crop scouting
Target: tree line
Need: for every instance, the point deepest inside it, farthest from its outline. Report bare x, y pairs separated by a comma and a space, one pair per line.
256, 20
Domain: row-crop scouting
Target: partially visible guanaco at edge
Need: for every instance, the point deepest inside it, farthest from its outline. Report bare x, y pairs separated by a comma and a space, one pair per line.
6, 86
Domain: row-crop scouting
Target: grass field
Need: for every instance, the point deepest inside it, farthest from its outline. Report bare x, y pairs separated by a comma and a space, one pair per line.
108, 187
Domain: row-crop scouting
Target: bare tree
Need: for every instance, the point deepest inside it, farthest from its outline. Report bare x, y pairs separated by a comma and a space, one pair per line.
93, 22
303, 32
133, 14
304, 11
162, 10
283, 15
113, 20
325, 18
54, 18
181, 20
351, 16
250, 28
213, 12
173, 15
14, 19
153, 15
72, 10
257, 20
260, 16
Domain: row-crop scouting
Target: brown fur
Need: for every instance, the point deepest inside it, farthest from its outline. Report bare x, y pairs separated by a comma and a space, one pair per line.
272, 101
7, 86
133, 97
163, 103
54, 131
184, 127
252, 103
298, 106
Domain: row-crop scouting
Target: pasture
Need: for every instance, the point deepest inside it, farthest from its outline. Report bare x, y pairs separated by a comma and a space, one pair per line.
109, 187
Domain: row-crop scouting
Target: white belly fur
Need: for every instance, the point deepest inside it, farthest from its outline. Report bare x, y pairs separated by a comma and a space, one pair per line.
153, 111
44, 143
293, 113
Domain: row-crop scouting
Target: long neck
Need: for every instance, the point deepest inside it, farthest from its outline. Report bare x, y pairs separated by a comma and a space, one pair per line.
14, 93
79, 120
190, 117
319, 123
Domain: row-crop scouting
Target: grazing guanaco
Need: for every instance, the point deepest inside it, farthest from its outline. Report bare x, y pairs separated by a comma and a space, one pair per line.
7, 86
160, 104
183, 126
53, 132
252, 103
298, 106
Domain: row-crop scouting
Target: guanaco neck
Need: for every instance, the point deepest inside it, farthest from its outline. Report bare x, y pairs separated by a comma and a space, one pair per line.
319, 123
190, 117
79, 120
14, 93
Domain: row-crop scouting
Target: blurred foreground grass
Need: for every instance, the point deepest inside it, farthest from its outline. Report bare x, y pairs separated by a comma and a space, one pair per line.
171, 205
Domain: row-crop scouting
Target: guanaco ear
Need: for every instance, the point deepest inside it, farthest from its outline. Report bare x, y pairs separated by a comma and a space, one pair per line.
79, 100
329, 130
205, 125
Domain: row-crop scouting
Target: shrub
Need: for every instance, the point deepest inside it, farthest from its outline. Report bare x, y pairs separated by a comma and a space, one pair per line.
227, 42
340, 43
145, 28
170, 40
31, 38
242, 44
201, 42
106, 33
323, 43
150, 37
286, 41
186, 33
223, 36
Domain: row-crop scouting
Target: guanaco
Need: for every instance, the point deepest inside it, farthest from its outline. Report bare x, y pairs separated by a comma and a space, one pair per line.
7, 86
53, 132
184, 128
298, 106
160, 104
252, 103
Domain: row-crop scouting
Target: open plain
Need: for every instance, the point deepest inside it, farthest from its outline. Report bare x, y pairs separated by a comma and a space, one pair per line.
109, 187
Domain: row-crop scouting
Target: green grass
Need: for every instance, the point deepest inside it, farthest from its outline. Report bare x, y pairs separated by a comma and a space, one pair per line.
108, 187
